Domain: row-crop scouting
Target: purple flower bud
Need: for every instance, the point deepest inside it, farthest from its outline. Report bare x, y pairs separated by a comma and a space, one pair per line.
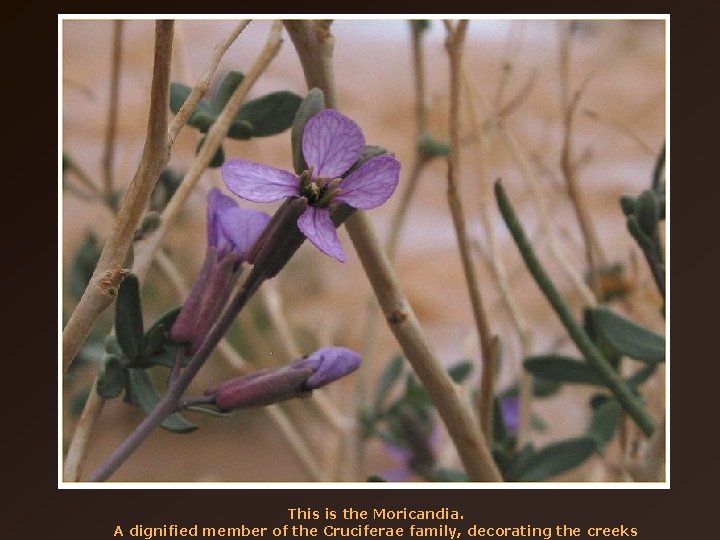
231, 233
328, 365
297, 379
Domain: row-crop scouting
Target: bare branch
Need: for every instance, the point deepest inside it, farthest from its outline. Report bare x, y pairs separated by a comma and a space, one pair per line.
98, 296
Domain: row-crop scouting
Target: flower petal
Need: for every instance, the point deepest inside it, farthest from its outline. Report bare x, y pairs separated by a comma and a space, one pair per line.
329, 364
372, 184
217, 204
243, 227
258, 183
331, 143
316, 225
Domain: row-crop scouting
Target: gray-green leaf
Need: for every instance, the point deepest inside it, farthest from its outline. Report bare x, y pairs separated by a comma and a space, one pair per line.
267, 115
143, 392
562, 369
627, 337
128, 318
554, 459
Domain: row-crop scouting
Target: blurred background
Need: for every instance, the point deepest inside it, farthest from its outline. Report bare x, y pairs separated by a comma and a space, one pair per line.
527, 69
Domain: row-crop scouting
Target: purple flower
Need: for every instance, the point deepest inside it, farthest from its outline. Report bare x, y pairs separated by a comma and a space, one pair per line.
331, 144
297, 379
510, 407
231, 233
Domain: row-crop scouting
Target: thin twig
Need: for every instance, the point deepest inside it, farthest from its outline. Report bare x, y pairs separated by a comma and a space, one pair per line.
499, 273
147, 247
536, 191
203, 84
102, 289
83, 431
418, 165
459, 419
111, 128
455, 43
77, 451
593, 251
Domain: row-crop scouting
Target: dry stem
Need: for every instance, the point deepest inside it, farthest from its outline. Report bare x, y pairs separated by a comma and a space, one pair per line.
94, 404
100, 292
111, 129
146, 249
488, 344
459, 419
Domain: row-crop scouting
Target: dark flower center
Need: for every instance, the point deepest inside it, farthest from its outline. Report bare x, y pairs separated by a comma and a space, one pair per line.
318, 191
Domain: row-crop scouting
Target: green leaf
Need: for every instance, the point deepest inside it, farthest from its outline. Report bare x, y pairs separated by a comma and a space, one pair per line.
228, 85
647, 210
460, 371
627, 203
562, 369
313, 103
128, 318
267, 115
111, 381
415, 393
544, 387
431, 148
141, 391
554, 459
217, 160
202, 117
83, 264
388, 379
159, 333
441, 474
627, 337
605, 420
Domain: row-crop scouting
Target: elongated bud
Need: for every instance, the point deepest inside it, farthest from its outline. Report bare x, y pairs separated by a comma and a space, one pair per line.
231, 231
297, 379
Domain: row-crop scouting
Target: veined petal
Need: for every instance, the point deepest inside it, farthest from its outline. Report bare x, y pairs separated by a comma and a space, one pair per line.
243, 227
372, 184
258, 183
316, 225
218, 203
331, 143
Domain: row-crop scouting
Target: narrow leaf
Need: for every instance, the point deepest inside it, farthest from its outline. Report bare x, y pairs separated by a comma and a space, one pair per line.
605, 420
562, 369
202, 117
388, 379
267, 115
228, 85
555, 458
627, 337
128, 318
460, 371
143, 392
111, 381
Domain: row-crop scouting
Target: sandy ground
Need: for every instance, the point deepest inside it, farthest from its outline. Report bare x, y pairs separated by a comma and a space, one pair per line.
619, 129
